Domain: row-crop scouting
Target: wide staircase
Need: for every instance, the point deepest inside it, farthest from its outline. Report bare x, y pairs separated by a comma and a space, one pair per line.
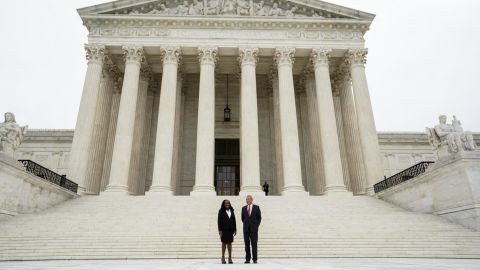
119, 227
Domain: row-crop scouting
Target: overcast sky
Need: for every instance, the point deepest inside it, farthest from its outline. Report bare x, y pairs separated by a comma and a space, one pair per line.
424, 60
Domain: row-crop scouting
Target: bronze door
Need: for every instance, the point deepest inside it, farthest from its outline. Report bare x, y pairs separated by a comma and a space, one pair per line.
227, 180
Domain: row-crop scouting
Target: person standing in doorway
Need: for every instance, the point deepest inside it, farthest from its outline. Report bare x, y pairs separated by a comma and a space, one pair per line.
265, 188
251, 218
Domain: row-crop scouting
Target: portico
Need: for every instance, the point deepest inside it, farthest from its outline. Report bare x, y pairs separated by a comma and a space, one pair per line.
156, 130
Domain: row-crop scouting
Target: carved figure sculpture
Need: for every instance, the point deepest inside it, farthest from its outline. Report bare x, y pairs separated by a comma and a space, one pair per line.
229, 7
183, 9
449, 139
243, 7
259, 9
275, 10
212, 8
11, 134
196, 8
291, 12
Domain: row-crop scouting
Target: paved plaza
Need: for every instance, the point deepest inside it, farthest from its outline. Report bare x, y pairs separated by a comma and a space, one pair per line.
277, 264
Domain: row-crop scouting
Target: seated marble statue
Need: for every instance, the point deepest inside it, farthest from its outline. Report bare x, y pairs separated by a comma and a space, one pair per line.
11, 134
450, 138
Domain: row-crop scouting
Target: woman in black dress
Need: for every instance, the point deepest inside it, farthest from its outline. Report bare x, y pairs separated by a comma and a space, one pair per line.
227, 228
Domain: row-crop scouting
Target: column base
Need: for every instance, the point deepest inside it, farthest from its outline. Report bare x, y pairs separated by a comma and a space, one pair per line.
117, 189
336, 189
294, 190
369, 191
203, 191
337, 192
81, 191
159, 190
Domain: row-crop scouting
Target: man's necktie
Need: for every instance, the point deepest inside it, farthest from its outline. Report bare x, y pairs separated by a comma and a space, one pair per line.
249, 210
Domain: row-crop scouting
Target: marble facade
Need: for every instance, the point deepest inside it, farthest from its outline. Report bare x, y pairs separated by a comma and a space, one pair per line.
154, 93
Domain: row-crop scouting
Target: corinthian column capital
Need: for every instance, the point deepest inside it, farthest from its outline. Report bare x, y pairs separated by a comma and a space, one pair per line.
356, 57
284, 56
171, 54
320, 56
248, 55
133, 54
95, 53
207, 55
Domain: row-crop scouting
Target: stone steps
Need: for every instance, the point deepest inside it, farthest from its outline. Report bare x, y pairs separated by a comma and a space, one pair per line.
121, 227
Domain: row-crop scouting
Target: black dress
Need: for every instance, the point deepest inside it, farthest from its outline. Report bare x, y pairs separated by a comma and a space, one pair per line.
227, 225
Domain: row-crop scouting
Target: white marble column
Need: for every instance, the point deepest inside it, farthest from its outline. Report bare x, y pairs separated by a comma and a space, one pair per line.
290, 147
249, 145
136, 185
352, 137
205, 159
164, 147
367, 131
153, 135
112, 126
341, 135
332, 163
314, 130
122, 149
96, 151
86, 116
277, 132
146, 139
177, 143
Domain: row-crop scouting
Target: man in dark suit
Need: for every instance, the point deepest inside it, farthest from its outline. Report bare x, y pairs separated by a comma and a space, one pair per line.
251, 218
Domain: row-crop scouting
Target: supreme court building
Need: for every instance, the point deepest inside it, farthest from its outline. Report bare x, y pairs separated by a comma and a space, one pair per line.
220, 96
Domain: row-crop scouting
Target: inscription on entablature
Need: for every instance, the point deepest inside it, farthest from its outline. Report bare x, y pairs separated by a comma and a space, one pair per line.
227, 34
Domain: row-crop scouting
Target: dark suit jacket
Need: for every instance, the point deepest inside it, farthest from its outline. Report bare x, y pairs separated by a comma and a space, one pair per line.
251, 223
225, 223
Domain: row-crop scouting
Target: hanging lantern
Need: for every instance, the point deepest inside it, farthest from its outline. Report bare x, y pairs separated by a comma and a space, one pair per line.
226, 111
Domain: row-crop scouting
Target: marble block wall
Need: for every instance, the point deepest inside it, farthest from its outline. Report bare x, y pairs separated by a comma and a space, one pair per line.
22, 192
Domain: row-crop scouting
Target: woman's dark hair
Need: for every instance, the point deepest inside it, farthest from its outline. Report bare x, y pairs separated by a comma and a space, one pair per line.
222, 207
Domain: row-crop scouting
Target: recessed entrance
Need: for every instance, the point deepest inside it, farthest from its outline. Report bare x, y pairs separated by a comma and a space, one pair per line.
227, 166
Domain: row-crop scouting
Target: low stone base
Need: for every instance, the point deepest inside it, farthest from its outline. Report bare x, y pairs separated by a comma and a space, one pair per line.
22, 192
450, 188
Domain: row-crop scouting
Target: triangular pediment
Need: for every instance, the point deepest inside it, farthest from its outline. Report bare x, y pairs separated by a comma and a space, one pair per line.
288, 9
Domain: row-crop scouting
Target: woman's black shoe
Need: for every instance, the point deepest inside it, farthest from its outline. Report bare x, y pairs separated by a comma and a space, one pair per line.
230, 261
223, 260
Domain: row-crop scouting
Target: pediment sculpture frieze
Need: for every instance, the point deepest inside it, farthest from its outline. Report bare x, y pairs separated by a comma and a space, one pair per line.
227, 8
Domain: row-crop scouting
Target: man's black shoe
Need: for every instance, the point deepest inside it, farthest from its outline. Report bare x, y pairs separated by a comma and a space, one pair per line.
247, 262
254, 261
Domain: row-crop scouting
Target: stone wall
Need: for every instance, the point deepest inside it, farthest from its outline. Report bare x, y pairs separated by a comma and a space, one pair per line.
22, 192
449, 188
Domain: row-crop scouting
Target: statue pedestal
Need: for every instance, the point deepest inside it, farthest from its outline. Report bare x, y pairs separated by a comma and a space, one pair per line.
449, 188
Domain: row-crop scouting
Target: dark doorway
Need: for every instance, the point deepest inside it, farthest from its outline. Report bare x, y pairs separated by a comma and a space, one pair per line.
227, 166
